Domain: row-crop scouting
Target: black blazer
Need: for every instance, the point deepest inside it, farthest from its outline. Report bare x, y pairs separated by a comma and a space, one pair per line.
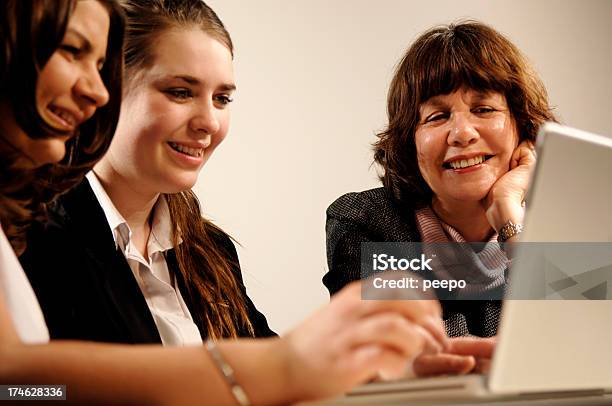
85, 286
372, 216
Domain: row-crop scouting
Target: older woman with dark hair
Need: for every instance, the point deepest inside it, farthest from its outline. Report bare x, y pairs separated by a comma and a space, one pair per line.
464, 107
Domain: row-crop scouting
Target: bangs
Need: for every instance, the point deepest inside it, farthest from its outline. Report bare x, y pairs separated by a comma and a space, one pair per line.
453, 59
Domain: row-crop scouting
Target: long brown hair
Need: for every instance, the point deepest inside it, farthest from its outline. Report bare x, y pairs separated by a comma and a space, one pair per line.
440, 61
30, 32
204, 264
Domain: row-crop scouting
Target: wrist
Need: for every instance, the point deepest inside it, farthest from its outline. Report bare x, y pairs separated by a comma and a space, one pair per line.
503, 211
262, 368
293, 386
301, 383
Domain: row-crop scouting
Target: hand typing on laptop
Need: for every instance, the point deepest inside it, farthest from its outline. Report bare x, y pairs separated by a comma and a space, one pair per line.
463, 356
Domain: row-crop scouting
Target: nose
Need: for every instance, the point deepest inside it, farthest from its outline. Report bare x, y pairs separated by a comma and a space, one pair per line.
204, 120
91, 88
462, 131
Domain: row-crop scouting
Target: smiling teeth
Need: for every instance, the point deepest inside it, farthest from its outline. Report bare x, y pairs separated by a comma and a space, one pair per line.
465, 163
195, 152
67, 117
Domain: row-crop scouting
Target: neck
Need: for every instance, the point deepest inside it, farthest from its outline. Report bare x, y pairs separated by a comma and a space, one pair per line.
133, 202
468, 218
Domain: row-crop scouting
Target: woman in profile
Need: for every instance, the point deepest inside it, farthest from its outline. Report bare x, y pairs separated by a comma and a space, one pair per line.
54, 128
60, 92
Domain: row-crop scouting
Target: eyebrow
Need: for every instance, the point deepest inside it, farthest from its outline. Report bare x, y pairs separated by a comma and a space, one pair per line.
195, 81
87, 44
433, 102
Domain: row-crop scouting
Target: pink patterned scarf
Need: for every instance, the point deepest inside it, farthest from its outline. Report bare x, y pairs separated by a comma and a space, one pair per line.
483, 270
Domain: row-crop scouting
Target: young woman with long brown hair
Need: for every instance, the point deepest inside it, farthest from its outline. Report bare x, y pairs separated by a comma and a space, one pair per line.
72, 50
178, 280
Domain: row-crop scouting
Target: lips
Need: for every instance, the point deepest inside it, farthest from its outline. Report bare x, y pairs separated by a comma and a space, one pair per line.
63, 119
187, 150
466, 162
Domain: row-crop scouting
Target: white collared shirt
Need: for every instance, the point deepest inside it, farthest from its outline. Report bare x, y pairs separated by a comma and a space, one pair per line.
171, 315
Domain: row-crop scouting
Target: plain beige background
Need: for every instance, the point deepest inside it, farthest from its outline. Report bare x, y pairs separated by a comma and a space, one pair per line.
312, 79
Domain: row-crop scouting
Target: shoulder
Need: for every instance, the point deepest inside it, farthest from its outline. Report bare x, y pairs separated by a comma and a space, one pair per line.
367, 207
373, 212
74, 229
358, 204
222, 240
79, 194
78, 205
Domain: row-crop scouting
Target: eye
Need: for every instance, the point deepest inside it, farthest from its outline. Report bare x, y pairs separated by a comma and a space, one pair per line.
180, 94
483, 110
437, 116
223, 99
72, 50
100, 65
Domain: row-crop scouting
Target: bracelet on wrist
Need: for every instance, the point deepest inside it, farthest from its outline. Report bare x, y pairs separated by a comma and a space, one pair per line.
228, 374
508, 231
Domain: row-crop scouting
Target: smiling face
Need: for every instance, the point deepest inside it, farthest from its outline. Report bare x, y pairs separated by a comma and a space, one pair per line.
464, 143
175, 113
69, 87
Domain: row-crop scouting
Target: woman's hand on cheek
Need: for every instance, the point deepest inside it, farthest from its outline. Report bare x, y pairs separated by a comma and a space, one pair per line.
504, 201
353, 340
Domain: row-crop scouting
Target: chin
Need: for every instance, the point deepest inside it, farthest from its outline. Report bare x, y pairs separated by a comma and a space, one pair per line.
470, 196
178, 185
51, 156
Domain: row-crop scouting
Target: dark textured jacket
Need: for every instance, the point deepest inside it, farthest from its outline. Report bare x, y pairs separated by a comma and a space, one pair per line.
85, 286
372, 216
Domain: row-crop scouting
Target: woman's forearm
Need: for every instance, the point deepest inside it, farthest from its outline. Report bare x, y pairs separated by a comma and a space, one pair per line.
339, 346
101, 373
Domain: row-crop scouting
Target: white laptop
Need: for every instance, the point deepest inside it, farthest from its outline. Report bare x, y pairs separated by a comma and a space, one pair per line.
545, 348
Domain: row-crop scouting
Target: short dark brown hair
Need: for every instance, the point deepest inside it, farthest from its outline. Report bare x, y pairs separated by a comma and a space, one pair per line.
443, 59
30, 32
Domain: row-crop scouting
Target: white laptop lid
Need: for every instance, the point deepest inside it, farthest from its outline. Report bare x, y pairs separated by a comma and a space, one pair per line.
560, 345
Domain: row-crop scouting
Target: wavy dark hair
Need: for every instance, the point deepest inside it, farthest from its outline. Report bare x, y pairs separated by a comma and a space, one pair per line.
205, 265
443, 59
30, 32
